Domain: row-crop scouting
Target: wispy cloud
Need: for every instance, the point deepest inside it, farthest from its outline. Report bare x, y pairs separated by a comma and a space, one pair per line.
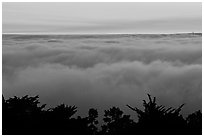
102, 17
148, 26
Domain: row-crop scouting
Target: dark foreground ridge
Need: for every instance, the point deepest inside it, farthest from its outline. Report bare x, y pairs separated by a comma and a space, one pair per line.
24, 116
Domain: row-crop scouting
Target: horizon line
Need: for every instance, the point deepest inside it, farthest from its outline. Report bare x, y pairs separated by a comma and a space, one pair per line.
94, 33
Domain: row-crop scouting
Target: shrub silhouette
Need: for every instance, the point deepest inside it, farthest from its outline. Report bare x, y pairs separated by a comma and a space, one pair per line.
24, 116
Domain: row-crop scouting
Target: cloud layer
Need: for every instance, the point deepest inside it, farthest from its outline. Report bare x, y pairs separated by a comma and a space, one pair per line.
104, 71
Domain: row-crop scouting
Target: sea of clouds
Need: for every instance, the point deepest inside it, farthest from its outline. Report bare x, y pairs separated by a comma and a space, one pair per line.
104, 71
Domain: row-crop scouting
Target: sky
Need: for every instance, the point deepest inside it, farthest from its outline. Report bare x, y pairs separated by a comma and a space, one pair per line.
102, 17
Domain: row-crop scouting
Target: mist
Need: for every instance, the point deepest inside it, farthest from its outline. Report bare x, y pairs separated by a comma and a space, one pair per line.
104, 71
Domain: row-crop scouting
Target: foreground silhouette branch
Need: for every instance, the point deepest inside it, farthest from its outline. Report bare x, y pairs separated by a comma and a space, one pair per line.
156, 119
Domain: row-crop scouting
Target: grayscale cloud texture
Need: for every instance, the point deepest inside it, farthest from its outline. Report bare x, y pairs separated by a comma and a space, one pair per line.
106, 71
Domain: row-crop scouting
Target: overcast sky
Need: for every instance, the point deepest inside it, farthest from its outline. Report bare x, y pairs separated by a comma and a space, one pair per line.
102, 17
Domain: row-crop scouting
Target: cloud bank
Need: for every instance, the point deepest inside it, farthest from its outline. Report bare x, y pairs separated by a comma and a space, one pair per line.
105, 71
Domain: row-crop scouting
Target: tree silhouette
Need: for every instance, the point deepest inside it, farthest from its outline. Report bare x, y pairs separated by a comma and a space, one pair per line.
92, 121
25, 116
21, 114
156, 119
194, 122
58, 120
24, 105
87, 125
63, 111
116, 122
